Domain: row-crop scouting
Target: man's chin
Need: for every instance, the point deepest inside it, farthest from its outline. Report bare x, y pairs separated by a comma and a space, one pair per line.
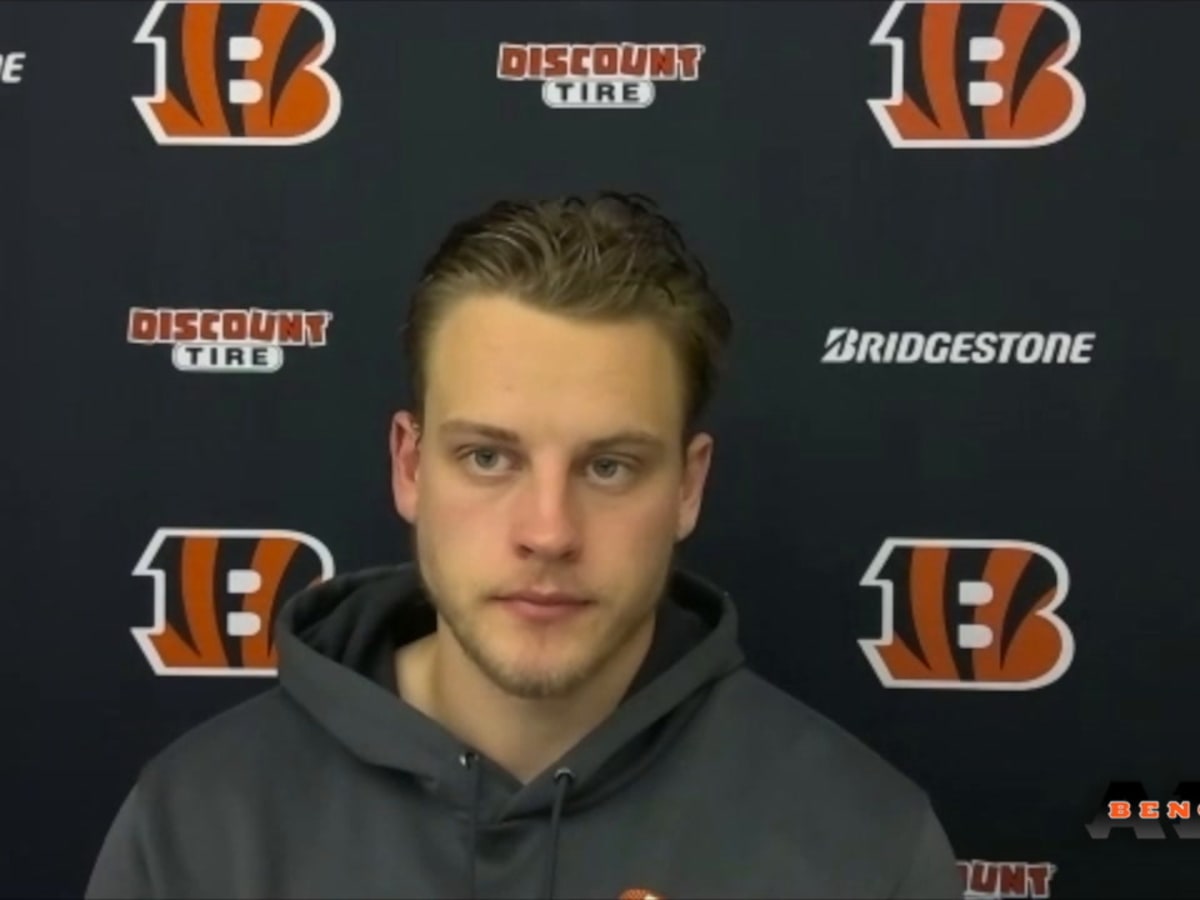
537, 684
522, 668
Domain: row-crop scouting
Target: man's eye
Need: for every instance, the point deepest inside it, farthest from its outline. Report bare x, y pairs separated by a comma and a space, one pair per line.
485, 459
610, 470
606, 468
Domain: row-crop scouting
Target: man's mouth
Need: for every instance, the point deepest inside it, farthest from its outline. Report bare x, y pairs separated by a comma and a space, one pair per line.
543, 607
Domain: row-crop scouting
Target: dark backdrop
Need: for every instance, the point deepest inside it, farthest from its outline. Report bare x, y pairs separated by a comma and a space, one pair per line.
810, 220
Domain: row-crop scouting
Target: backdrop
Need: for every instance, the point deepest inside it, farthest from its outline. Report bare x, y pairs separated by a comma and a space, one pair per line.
955, 483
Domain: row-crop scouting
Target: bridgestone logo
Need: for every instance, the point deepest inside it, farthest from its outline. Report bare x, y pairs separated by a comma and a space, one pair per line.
849, 345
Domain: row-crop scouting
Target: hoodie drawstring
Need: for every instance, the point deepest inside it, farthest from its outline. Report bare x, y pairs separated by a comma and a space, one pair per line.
563, 779
470, 761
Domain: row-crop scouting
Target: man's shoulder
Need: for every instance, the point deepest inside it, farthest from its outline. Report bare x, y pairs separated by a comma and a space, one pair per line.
762, 750
238, 744
806, 750
801, 802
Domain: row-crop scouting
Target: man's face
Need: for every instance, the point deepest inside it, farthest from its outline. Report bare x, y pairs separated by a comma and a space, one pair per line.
549, 460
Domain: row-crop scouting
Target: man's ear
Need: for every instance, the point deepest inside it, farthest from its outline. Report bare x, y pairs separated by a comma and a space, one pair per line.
696, 463
405, 443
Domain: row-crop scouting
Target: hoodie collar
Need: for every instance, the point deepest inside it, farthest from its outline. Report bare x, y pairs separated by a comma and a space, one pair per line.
329, 636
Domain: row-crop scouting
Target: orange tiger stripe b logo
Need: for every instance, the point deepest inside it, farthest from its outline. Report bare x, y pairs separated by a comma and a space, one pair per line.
217, 592
239, 72
969, 615
976, 74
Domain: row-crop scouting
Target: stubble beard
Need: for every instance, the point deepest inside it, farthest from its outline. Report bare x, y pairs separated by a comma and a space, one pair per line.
536, 683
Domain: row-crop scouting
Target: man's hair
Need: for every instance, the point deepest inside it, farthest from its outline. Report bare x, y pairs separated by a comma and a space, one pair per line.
612, 257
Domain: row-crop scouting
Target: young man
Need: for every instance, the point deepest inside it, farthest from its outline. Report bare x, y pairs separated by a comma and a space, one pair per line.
543, 705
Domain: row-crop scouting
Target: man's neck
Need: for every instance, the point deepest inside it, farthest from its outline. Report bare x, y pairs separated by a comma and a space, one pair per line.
522, 736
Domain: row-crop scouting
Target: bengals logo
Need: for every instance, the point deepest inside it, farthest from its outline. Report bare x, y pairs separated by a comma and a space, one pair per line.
979, 74
969, 614
238, 73
216, 594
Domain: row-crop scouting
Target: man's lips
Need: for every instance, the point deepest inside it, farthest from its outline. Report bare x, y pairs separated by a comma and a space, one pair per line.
533, 606
544, 599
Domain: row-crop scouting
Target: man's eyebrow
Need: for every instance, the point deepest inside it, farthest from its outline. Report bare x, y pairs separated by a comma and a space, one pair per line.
467, 428
627, 437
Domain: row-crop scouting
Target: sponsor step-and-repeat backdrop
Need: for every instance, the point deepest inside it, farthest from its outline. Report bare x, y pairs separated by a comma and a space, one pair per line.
956, 477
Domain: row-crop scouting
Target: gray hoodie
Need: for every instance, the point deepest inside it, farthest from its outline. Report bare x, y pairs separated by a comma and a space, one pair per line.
705, 782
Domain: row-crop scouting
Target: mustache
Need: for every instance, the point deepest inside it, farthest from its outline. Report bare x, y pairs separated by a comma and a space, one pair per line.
540, 582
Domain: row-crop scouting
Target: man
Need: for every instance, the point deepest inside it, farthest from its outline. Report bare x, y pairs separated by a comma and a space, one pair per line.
543, 704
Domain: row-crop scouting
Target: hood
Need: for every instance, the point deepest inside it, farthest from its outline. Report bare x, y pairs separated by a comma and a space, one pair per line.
336, 642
